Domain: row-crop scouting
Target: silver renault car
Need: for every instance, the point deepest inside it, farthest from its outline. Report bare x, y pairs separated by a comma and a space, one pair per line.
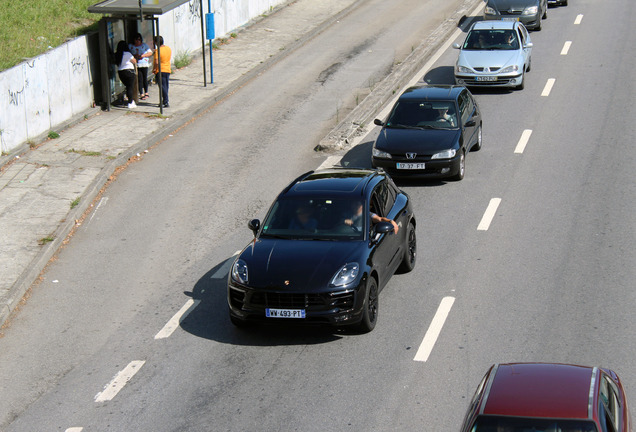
494, 54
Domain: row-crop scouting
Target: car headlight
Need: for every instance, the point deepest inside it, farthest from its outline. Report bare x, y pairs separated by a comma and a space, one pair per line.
381, 154
513, 68
463, 69
446, 154
239, 271
531, 10
490, 11
346, 275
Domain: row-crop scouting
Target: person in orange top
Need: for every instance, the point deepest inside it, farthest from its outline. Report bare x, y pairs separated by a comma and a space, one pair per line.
166, 55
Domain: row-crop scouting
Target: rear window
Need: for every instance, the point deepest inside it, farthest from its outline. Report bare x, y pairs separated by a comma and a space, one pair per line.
510, 424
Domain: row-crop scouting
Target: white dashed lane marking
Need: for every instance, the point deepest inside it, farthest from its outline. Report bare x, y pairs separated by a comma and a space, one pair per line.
578, 19
174, 322
523, 141
489, 214
424, 351
119, 381
548, 87
566, 47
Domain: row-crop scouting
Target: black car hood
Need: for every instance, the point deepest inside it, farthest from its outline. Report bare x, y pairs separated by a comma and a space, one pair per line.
306, 265
428, 141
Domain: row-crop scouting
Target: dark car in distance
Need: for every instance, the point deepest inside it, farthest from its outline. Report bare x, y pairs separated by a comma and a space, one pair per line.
322, 255
548, 397
428, 133
528, 12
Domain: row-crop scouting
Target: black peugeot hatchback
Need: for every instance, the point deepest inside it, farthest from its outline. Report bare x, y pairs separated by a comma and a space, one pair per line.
328, 245
428, 133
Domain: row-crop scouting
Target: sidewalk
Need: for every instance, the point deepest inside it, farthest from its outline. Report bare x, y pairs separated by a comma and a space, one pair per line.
45, 190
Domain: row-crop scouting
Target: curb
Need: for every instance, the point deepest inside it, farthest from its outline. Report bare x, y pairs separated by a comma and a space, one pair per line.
341, 136
39, 263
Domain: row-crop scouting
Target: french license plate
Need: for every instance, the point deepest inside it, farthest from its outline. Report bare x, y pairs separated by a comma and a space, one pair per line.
510, 19
285, 313
486, 78
410, 166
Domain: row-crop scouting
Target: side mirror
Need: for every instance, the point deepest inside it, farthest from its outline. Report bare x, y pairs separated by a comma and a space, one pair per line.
254, 225
383, 227
378, 122
457, 46
528, 45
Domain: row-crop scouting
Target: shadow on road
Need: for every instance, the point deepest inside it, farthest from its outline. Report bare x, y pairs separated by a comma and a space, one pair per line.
210, 318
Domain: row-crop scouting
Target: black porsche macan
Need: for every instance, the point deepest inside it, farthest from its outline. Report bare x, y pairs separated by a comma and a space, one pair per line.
321, 256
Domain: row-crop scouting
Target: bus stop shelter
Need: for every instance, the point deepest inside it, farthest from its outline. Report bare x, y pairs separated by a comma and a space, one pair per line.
125, 18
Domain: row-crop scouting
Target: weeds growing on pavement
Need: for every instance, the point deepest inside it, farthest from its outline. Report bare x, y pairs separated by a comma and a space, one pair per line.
45, 240
75, 202
28, 29
84, 152
53, 135
182, 59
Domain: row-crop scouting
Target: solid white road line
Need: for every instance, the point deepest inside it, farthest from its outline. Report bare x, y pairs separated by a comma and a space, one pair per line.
434, 329
566, 47
119, 381
548, 87
578, 19
74, 429
489, 214
104, 200
521, 145
174, 322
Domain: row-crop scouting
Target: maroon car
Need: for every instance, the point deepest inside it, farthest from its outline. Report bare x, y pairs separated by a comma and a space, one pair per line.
548, 397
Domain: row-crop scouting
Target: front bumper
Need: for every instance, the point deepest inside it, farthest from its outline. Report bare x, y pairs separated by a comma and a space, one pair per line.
433, 169
501, 81
336, 308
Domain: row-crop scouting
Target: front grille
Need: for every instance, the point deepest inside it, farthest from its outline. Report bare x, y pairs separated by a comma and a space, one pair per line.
316, 302
492, 69
510, 12
472, 82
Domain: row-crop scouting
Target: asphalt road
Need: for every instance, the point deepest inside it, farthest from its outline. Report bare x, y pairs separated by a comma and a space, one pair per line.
550, 279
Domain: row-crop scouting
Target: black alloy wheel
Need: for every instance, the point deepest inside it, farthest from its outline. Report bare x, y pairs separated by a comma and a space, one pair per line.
370, 307
477, 145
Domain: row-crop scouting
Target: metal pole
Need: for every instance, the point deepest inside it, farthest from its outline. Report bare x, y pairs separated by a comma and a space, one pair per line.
202, 42
159, 69
211, 38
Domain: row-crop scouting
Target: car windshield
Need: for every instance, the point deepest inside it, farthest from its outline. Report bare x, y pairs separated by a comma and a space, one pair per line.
423, 115
315, 219
479, 40
511, 424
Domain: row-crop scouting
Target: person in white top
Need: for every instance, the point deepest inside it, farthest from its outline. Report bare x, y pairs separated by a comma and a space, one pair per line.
126, 70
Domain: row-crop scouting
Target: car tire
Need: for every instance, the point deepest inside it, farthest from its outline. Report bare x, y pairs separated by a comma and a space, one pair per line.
410, 252
545, 14
477, 145
370, 307
538, 27
565, 3
523, 82
462, 167
529, 65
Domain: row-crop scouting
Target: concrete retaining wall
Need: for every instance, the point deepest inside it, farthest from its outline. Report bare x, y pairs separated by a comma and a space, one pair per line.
41, 94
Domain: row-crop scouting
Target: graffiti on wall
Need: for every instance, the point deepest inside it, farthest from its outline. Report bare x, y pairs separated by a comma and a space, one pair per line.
14, 96
192, 13
77, 65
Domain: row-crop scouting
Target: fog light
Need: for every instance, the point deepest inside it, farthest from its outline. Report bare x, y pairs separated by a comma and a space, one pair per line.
445, 170
343, 317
